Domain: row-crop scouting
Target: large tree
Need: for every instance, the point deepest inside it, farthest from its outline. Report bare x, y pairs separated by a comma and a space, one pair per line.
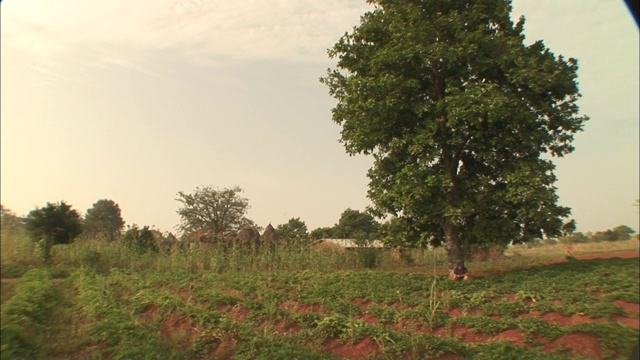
53, 224
104, 218
461, 118
217, 212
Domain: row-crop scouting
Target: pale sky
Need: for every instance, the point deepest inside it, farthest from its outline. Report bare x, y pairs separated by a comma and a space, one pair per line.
134, 101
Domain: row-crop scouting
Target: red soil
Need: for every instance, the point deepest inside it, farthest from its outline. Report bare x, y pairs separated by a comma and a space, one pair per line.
238, 313
632, 315
468, 336
224, 350
362, 302
178, 329
363, 349
370, 319
513, 336
576, 344
620, 254
561, 320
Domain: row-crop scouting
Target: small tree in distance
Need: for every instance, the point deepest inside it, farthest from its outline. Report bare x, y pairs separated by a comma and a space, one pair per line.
623, 232
321, 232
355, 224
295, 229
105, 219
140, 240
53, 224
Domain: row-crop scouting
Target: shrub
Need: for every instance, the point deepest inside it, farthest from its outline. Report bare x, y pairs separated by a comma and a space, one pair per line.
53, 224
140, 240
369, 257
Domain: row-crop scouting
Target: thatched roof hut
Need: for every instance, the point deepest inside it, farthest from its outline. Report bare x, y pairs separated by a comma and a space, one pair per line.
269, 236
247, 236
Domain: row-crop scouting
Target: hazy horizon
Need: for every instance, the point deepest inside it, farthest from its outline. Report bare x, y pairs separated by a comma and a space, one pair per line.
136, 101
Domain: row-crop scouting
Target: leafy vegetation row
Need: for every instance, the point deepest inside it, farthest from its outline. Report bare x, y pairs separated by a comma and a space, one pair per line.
25, 316
281, 314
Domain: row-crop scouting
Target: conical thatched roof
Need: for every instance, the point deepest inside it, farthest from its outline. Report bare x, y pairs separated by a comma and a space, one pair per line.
269, 235
247, 236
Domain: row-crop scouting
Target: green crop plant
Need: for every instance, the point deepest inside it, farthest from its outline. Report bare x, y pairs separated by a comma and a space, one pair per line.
343, 307
485, 324
332, 326
506, 350
384, 314
434, 306
25, 316
540, 327
504, 308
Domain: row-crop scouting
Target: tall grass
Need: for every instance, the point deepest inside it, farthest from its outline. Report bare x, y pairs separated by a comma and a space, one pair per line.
18, 256
25, 316
17, 252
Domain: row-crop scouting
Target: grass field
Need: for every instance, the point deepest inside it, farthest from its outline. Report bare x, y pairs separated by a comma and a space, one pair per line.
94, 301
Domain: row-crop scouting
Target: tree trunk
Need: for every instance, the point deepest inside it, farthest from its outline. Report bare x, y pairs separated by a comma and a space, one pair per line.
44, 246
466, 245
455, 251
455, 248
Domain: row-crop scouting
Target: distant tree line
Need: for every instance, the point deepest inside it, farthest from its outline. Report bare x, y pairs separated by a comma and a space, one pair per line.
59, 223
620, 232
213, 213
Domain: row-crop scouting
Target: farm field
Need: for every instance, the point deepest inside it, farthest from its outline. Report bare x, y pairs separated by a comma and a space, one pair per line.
531, 304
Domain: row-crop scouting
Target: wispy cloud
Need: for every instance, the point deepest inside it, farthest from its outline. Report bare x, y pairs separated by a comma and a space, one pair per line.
201, 31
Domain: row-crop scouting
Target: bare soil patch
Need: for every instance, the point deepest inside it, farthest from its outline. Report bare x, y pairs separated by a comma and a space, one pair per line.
513, 336
561, 320
578, 344
361, 350
286, 328
469, 336
362, 302
631, 309
185, 294
178, 329
224, 350
619, 254
238, 313
370, 319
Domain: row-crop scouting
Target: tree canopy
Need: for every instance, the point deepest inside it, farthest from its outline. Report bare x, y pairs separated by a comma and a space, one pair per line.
355, 224
294, 229
140, 240
623, 232
10, 222
53, 224
322, 232
220, 212
457, 113
104, 218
